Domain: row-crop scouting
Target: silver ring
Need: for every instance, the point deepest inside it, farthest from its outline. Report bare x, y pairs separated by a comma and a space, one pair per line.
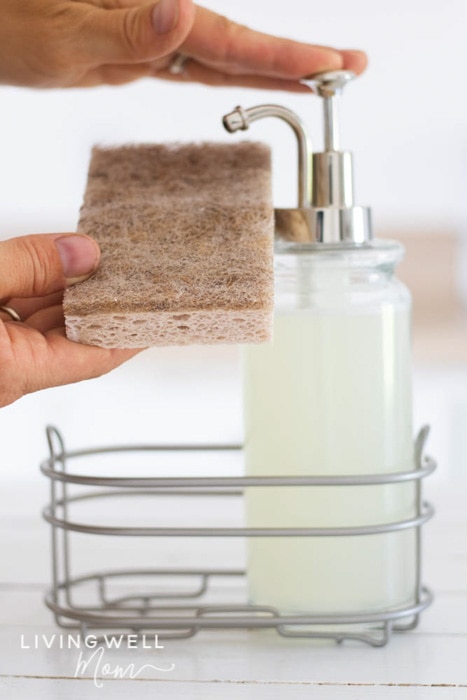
14, 315
177, 64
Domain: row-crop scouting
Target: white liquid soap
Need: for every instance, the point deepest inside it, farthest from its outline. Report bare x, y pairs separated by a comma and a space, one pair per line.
331, 395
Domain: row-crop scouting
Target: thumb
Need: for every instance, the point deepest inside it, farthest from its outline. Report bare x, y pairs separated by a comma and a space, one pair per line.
33, 266
138, 33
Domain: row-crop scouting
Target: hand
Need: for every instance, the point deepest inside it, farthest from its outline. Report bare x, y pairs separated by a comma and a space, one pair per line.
34, 353
82, 43
221, 52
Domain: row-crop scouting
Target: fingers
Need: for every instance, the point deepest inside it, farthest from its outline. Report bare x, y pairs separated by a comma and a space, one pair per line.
38, 265
195, 71
26, 308
46, 319
69, 362
231, 48
115, 75
137, 33
32, 361
199, 73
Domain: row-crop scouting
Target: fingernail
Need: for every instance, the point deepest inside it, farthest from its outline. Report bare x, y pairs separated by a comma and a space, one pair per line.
334, 56
165, 16
354, 60
79, 256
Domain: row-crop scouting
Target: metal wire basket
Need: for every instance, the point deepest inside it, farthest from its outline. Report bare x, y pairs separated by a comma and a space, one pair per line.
180, 601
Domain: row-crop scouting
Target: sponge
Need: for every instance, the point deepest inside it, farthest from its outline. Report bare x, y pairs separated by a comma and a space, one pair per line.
186, 234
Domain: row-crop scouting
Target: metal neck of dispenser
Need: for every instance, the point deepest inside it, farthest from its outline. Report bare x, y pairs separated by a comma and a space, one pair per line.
326, 212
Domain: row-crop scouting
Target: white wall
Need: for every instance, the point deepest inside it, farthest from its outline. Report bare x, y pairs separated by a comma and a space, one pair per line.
406, 121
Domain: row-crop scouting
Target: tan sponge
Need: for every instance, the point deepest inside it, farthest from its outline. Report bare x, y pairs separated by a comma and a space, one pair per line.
186, 234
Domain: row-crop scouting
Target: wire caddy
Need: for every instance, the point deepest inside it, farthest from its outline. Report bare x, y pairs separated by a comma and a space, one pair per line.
181, 615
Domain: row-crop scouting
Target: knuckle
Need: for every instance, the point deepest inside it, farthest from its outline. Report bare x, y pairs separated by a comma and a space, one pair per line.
132, 34
38, 263
229, 31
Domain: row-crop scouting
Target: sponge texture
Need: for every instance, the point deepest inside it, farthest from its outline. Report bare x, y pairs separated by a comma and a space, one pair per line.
186, 234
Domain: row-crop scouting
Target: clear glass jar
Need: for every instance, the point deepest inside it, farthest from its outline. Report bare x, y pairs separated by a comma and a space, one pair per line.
331, 395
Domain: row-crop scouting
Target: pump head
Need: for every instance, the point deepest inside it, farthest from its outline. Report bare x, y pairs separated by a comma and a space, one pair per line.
326, 212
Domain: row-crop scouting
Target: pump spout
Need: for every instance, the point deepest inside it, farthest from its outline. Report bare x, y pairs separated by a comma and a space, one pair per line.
240, 119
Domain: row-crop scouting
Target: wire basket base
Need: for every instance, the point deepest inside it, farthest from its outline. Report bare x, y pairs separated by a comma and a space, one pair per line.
105, 601
175, 616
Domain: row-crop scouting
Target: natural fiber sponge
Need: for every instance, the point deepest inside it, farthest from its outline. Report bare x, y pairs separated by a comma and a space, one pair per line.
186, 234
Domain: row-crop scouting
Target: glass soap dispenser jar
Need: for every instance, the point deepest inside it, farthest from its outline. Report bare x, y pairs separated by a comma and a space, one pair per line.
331, 395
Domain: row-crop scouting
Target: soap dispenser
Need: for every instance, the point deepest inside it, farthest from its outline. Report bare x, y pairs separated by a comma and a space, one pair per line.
330, 396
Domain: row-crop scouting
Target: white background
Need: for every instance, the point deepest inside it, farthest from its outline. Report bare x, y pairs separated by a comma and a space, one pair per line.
405, 120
